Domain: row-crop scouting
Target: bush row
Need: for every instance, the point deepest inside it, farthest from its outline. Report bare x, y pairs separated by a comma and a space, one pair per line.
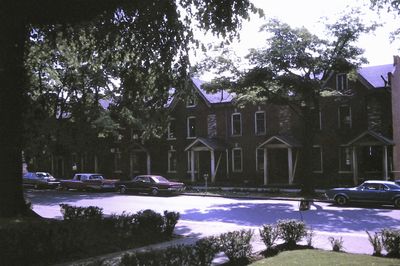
83, 232
386, 239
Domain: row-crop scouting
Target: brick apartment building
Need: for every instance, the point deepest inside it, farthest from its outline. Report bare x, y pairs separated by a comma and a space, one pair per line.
208, 134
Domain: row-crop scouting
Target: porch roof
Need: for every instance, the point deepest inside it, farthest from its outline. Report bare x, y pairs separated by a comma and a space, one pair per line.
370, 137
288, 141
210, 144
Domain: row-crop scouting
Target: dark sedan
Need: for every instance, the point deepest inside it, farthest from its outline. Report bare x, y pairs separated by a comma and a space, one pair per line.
372, 191
40, 180
151, 184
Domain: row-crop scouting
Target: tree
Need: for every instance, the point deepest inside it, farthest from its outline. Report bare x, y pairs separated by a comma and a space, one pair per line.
148, 19
391, 6
292, 71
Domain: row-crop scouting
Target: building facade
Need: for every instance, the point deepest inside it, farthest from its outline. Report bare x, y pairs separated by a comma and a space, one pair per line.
210, 136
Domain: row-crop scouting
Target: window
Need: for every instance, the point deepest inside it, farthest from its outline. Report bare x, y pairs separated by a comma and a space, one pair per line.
236, 124
117, 161
189, 162
345, 159
318, 120
237, 160
172, 161
212, 125
191, 101
344, 114
317, 159
260, 159
171, 129
341, 82
191, 127
260, 122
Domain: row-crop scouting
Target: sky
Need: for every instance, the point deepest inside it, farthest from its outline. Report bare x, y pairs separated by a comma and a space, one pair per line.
308, 13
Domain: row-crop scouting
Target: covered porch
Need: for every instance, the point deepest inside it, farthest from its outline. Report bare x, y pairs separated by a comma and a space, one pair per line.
216, 150
371, 156
281, 153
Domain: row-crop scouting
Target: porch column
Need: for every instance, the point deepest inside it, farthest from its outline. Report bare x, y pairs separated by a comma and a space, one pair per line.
227, 164
355, 166
96, 166
192, 165
290, 165
212, 166
148, 161
265, 167
385, 163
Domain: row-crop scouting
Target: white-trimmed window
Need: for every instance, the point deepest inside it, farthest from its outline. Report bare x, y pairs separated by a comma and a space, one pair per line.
172, 161
236, 122
237, 160
341, 82
189, 162
191, 100
259, 119
117, 161
171, 129
191, 127
345, 159
260, 160
344, 117
317, 161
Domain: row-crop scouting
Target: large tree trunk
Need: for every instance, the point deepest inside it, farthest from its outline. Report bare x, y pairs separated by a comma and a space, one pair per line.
12, 87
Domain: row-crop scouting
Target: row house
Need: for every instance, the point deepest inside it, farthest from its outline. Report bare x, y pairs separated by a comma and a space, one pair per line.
210, 136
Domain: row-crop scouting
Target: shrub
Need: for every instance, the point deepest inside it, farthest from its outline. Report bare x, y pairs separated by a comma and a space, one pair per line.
391, 241
376, 243
81, 213
309, 237
205, 250
291, 231
150, 224
170, 220
337, 243
236, 245
269, 234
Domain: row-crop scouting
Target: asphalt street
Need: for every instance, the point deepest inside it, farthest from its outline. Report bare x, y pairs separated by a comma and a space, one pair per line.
202, 215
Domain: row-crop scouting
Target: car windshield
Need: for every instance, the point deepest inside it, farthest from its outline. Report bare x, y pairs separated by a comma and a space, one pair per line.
159, 179
43, 175
96, 177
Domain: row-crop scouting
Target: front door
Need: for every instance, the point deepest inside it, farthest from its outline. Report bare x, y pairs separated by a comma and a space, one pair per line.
278, 172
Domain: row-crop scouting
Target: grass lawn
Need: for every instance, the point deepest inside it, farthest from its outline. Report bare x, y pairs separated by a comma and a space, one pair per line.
320, 257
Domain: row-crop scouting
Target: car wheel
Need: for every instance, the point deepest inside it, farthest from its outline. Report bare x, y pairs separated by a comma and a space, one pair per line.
341, 200
397, 202
122, 190
154, 192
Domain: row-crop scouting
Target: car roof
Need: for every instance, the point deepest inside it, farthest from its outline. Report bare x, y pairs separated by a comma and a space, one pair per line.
380, 182
88, 174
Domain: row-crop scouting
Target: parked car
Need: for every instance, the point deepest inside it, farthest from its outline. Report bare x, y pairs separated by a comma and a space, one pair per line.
40, 180
88, 181
151, 184
372, 191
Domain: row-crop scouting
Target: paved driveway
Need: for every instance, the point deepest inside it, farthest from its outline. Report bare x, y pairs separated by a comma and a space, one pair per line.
202, 216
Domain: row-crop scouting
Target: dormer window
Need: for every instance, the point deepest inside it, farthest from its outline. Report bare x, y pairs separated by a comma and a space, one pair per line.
191, 100
341, 82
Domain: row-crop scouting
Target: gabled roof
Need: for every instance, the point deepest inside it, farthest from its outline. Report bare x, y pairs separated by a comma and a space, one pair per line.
210, 98
370, 137
210, 144
375, 76
285, 140
221, 96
